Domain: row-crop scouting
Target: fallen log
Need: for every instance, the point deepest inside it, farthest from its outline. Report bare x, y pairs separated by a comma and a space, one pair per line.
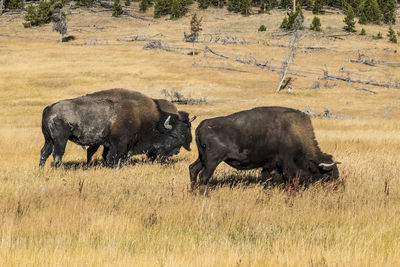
328, 76
366, 90
220, 68
252, 62
126, 13
206, 48
134, 38
363, 61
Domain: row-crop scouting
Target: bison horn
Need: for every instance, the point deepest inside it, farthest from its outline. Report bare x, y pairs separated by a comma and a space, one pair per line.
193, 118
328, 166
166, 123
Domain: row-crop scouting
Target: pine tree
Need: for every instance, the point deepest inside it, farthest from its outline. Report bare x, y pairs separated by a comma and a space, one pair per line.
315, 24
239, 6
162, 7
178, 8
363, 32
371, 13
349, 20
117, 8
14, 4
85, 3
392, 35
363, 19
318, 6
389, 11
39, 15
289, 21
286, 4
204, 4
127, 2
143, 5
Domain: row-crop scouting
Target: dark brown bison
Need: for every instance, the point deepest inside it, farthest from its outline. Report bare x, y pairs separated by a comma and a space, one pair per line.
277, 139
165, 106
121, 120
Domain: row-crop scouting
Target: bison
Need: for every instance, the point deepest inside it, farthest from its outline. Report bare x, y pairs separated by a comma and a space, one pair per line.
279, 140
121, 120
165, 106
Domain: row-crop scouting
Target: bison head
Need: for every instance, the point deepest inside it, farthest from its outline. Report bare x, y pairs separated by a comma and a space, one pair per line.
174, 131
324, 170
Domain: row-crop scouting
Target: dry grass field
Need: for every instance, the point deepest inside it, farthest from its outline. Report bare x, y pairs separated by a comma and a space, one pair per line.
143, 214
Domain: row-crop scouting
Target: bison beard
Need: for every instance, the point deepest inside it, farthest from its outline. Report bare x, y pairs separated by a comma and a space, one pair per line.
279, 140
120, 120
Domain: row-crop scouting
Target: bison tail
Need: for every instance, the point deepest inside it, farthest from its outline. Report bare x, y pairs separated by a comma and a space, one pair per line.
200, 147
47, 123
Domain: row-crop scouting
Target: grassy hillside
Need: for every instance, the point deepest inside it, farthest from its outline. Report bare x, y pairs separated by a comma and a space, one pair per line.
143, 214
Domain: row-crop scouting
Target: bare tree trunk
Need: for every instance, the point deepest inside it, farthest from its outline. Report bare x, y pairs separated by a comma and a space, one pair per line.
1, 7
286, 64
294, 5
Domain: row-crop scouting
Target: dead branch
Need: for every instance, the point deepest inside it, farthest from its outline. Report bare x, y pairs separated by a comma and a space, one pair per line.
390, 107
337, 36
328, 76
286, 82
157, 44
177, 97
325, 115
220, 68
253, 61
99, 11
135, 16
14, 11
366, 90
206, 48
134, 38
363, 61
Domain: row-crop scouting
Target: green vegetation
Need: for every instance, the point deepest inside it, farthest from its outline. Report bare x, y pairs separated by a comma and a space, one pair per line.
315, 24
40, 14
318, 6
162, 7
178, 8
377, 36
370, 13
288, 22
363, 32
262, 28
392, 35
85, 3
117, 8
14, 4
349, 20
240, 6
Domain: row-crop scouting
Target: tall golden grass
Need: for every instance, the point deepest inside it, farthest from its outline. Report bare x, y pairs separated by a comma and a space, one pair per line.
143, 214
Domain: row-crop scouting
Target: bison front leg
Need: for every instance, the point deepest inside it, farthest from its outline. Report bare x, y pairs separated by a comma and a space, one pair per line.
90, 152
194, 170
117, 153
105, 152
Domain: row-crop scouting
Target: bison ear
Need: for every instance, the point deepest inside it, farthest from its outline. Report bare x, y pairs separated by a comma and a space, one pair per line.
184, 116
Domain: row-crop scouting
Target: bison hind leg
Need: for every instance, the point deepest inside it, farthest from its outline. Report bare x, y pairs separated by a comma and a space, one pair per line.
45, 152
59, 149
194, 170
